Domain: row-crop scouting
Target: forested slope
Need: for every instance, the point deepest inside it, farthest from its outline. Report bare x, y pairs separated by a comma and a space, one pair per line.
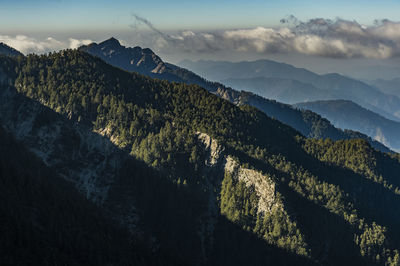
146, 62
220, 175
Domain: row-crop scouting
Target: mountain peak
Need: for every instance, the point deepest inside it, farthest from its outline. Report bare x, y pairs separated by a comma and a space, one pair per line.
111, 42
136, 59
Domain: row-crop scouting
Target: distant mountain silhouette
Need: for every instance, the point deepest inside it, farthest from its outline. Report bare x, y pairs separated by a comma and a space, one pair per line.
334, 85
143, 61
132, 59
284, 90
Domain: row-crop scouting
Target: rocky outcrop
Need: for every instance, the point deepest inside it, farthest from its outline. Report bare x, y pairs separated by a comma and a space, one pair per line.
216, 163
220, 162
212, 149
262, 184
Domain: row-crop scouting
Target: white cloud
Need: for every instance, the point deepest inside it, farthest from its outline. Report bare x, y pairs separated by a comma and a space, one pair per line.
321, 37
208, 36
74, 43
28, 45
188, 33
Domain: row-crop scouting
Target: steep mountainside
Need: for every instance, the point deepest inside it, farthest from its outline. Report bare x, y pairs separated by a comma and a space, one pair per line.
104, 172
335, 85
45, 221
308, 123
217, 184
346, 114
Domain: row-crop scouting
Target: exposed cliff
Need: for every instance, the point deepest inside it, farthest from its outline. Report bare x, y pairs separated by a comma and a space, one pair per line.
220, 167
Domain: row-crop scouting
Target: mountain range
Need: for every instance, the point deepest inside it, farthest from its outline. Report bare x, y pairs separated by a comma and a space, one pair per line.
288, 80
288, 91
349, 115
308, 123
186, 176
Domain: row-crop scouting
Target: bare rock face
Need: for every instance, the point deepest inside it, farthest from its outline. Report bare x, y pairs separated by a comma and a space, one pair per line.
263, 185
216, 163
212, 148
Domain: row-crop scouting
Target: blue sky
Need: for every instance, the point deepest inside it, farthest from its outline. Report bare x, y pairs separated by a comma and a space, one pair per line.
61, 15
218, 30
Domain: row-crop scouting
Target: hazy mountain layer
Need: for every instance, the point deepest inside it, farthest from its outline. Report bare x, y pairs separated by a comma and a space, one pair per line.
387, 86
283, 90
310, 124
335, 85
346, 114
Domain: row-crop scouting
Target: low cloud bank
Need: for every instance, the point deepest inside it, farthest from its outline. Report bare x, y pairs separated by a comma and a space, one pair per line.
319, 37
26, 44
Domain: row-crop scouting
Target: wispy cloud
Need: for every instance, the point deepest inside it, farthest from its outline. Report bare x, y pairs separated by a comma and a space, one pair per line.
319, 37
26, 44
186, 41
140, 20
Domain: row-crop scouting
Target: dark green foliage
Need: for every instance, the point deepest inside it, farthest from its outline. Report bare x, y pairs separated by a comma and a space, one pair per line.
147, 115
239, 205
237, 202
235, 246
